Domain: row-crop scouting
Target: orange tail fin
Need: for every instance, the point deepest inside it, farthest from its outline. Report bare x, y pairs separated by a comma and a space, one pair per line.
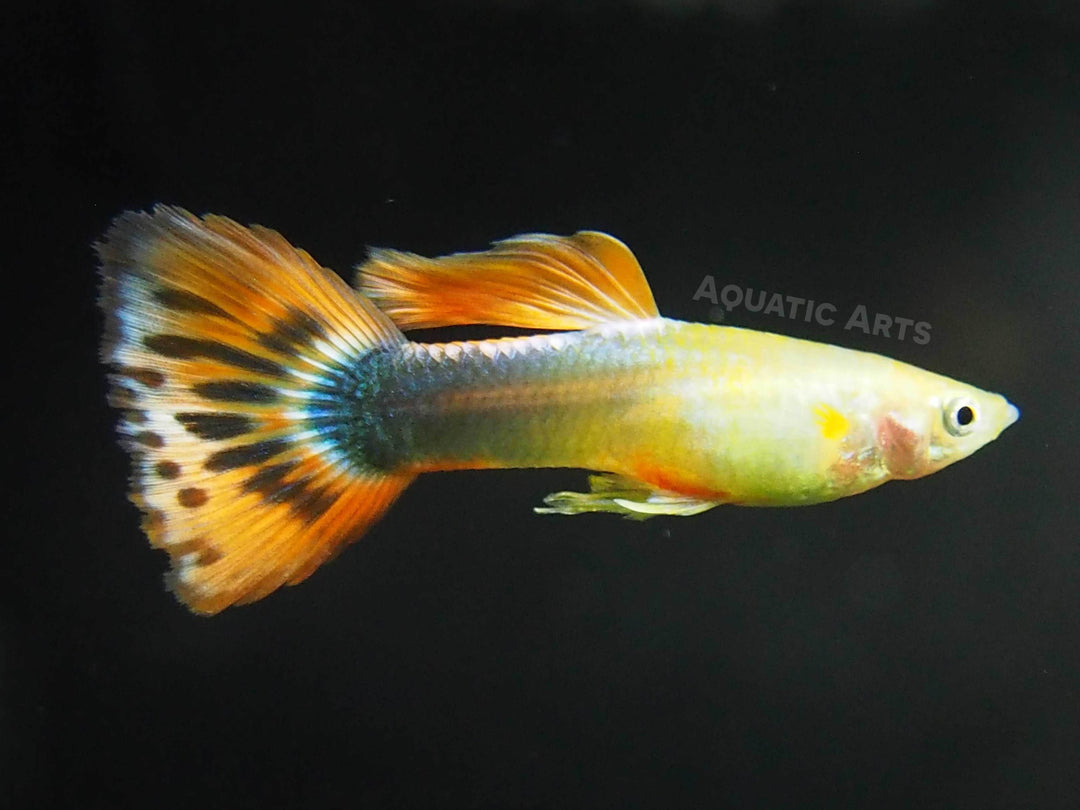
229, 349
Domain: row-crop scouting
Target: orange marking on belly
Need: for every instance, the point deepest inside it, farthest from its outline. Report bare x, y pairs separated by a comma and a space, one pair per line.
845, 471
672, 480
450, 464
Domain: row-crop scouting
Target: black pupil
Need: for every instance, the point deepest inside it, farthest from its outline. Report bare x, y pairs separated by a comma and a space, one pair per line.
965, 416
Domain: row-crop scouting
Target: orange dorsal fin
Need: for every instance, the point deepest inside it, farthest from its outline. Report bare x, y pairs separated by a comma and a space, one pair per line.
533, 281
229, 348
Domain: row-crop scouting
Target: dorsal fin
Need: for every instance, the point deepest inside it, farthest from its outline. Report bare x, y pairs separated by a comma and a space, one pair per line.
532, 281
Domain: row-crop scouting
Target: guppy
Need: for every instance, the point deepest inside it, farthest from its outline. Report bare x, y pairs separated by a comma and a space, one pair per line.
273, 413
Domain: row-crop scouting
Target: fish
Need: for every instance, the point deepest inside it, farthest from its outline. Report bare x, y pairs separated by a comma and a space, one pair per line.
273, 413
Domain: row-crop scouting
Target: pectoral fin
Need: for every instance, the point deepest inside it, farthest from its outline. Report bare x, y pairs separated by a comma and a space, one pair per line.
623, 496
533, 281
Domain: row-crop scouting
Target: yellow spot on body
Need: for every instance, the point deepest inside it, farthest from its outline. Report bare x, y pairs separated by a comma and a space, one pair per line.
833, 423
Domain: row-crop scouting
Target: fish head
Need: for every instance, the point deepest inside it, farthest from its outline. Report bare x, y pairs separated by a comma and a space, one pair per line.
941, 422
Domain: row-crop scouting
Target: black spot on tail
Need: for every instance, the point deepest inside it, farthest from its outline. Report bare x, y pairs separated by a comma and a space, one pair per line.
304, 500
236, 391
184, 301
179, 347
214, 426
270, 481
293, 332
167, 469
192, 497
148, 438
149, 377
310, 504
246, 455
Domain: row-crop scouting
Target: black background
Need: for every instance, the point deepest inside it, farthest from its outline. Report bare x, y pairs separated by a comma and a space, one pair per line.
914, 646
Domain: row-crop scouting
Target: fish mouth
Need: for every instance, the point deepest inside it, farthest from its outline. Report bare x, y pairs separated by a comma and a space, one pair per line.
1012, 413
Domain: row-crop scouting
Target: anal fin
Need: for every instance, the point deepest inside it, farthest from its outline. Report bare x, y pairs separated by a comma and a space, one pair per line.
623, 496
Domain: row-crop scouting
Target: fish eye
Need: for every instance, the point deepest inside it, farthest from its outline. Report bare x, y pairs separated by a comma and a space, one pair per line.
960, 416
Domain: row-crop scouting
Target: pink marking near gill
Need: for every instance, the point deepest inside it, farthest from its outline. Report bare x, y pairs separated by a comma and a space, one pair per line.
900, 447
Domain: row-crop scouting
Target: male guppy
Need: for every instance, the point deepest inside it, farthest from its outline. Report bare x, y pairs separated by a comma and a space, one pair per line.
273, 413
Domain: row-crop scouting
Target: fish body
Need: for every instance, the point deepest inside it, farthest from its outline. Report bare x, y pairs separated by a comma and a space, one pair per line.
273, 413
724, 414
